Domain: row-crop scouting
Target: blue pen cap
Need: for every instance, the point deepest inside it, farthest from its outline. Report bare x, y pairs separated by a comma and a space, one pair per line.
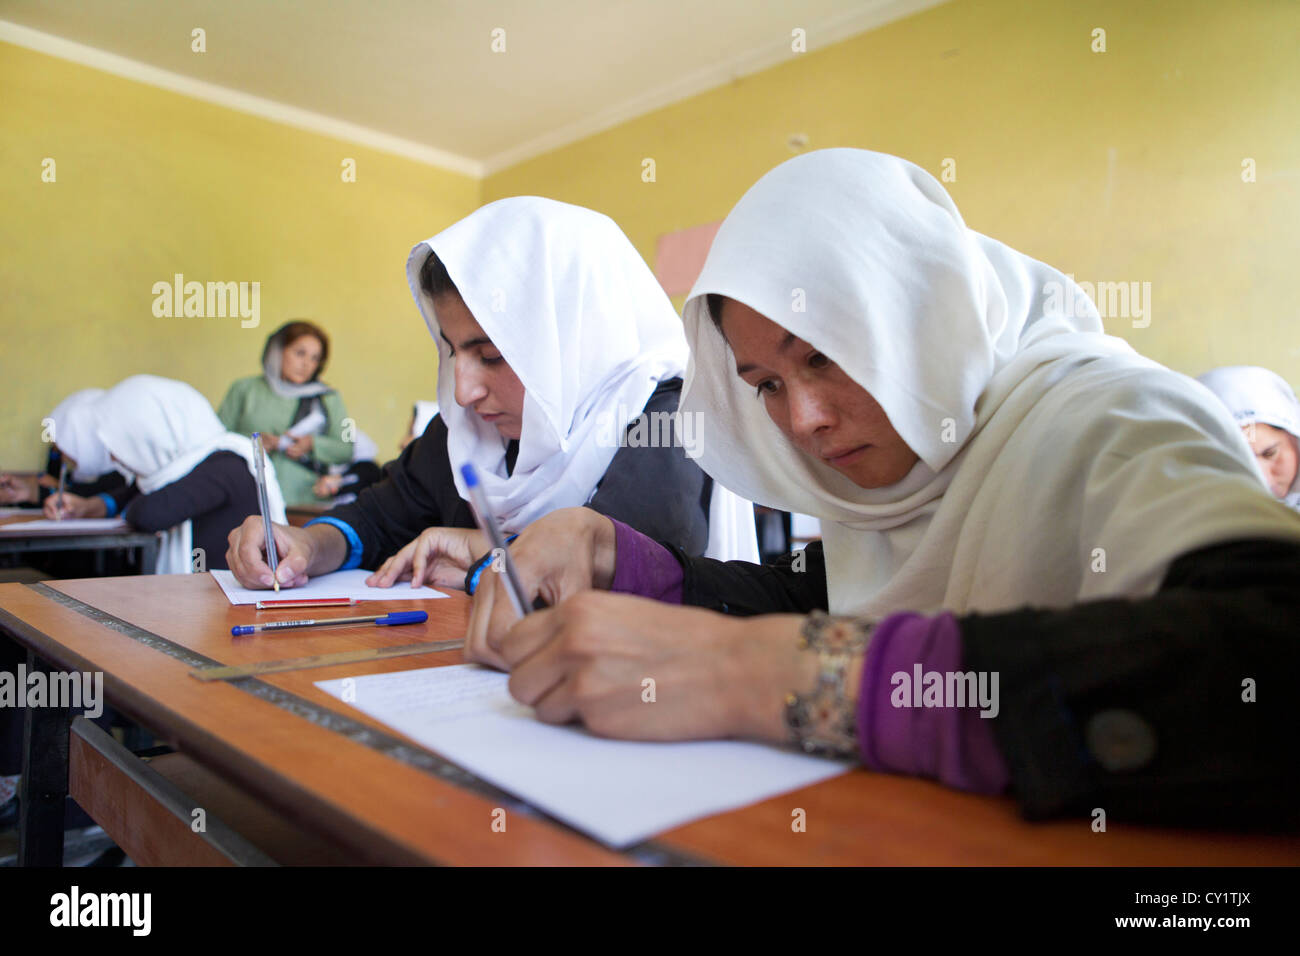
402, 617
241, 629
469, 474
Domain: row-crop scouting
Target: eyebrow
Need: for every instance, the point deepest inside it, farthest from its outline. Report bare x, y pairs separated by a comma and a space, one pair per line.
750, 366
481, 340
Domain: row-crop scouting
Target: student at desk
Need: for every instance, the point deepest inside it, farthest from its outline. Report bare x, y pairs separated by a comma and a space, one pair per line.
1005, 492
196, 480
556, 348
93, 488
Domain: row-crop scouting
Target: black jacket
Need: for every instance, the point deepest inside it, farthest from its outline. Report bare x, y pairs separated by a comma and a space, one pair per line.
1132, 706
217, 495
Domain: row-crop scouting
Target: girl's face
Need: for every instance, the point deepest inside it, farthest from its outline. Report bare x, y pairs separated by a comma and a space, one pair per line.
301, 359
1275, 448
485, 384
817, 406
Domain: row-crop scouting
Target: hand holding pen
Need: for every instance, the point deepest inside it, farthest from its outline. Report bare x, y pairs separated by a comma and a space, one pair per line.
264, 505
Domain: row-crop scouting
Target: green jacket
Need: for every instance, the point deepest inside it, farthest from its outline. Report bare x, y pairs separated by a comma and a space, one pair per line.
250, 406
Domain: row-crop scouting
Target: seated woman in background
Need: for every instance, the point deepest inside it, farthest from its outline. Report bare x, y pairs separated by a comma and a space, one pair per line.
1051, 563
1265, 407
196, 480
299, 417
345, 482
93, 488
554, 341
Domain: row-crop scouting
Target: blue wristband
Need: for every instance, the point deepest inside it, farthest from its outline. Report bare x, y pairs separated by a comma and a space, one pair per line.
476, 569
354, 541
110, 504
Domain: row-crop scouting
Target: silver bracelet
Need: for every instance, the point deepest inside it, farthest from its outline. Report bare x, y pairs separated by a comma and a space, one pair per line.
823, 722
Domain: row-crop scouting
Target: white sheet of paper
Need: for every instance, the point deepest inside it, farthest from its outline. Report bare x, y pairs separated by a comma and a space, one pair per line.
339, 584
66, 524
618, 791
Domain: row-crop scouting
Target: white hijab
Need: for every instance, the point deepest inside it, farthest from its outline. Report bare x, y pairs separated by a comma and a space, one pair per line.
1257, 395
74, 422
1048, 450
581, 320
161, 429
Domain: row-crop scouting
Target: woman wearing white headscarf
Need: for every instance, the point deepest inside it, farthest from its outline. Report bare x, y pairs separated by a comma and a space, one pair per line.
300, 418
1050, 560
92, 487
197, 481
559, 370
1265, 407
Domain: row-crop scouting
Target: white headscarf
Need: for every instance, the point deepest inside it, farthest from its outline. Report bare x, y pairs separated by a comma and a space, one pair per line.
1257, 395
74, 426
161, 429
1055, 463
579, 317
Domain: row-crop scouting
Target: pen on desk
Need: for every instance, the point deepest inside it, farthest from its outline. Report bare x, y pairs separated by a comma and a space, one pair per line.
487, 523
265, 506
63, 475
380, 620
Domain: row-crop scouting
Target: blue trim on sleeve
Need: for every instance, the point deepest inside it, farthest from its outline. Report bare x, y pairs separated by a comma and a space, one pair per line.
110, 504
354, 541
476, 570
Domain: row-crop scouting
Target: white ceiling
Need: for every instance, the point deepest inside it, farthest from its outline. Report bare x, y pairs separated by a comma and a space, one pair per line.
419, 76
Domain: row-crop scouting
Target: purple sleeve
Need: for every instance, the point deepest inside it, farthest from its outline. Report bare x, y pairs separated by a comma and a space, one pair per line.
644, 567
910, 723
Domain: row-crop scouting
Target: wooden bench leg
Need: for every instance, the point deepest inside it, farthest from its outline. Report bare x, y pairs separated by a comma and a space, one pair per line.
43, 792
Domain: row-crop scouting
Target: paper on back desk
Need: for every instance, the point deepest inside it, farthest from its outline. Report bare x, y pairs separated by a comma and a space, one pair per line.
338, 584
66, 524
618, 791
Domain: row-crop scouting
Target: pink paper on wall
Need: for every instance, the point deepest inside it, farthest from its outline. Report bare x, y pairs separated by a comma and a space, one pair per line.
680, 257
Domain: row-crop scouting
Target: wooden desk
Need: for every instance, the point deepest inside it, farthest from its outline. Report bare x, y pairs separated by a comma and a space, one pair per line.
379, 798
299, 515
15, 540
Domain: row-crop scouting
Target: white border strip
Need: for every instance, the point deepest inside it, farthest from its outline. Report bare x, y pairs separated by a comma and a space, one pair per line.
874, 14
236, 100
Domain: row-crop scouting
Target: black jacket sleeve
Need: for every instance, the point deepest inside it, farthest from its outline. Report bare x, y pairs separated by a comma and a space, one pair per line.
110, 482
793, 584
1178, 708
203, 490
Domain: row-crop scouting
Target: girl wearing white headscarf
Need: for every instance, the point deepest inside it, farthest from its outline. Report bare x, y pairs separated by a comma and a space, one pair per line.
197, 481
92, 487
559, 370
1265, 407
1050, 559
301, 419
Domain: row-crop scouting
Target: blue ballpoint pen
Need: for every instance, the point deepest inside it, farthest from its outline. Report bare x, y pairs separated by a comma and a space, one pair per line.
487, 523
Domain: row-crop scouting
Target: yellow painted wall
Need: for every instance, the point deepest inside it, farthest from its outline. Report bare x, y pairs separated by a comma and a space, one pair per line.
1115, 166
151, 183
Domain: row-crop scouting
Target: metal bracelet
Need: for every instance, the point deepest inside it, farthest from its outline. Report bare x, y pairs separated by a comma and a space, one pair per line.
823, 722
